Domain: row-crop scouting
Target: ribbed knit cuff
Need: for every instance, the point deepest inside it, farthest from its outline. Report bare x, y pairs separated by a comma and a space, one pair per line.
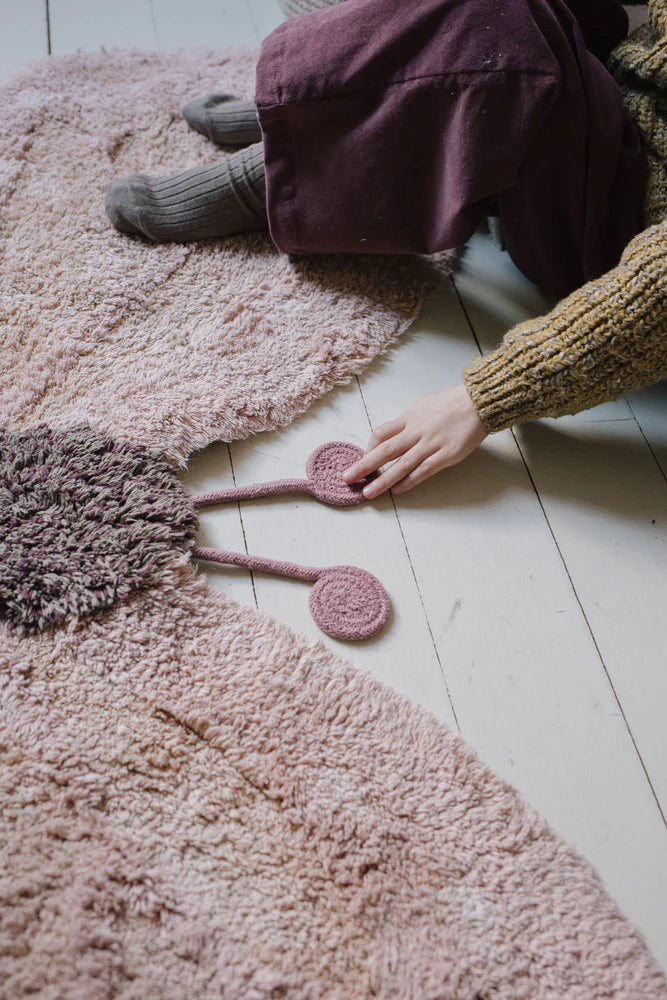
605, 339
491, 385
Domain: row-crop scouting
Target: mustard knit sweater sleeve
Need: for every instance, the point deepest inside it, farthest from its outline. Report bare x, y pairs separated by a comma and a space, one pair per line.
610, 336
605, 339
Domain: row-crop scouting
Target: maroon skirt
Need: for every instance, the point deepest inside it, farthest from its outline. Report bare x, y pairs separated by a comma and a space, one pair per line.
396, 126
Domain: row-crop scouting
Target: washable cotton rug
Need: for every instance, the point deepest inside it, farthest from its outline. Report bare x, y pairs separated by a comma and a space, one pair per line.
196, 802
173, 345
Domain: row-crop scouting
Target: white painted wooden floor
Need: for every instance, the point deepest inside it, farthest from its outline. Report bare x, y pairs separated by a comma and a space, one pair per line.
528, 583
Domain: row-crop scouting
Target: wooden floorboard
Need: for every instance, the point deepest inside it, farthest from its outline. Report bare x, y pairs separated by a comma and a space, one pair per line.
82, 24
649, 408
606, 502
207, 22
220, 526
24, 35
523, 669
265, 15
305, 531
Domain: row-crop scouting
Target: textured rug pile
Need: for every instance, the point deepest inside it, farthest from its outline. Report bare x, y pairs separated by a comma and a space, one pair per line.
171, 346
195, 801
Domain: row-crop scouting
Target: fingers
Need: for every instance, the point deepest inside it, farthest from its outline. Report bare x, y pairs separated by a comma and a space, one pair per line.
402, 468
390, 444
424, 470
437, 431
385, 431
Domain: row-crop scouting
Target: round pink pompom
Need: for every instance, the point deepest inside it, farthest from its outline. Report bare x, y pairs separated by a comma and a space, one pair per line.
349, 603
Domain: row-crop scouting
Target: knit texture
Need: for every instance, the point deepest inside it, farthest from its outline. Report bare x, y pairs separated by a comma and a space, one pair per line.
202, 203
346, 602
169, 346
224, 119
324, 470
198, 803
605, 339
610, 336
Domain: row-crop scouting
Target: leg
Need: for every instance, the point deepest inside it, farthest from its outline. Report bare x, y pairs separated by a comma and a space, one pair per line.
603, 22
203, 203
206, 202
415, 119
224, 119
227, 120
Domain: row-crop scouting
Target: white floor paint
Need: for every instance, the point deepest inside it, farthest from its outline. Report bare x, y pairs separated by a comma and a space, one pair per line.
528, 583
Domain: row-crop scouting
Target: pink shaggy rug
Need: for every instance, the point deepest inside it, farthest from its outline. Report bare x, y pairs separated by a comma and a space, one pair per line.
172, 346
196, 802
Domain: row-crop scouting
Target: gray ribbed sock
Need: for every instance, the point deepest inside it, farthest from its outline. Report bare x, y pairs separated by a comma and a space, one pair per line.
228, 196
224, 118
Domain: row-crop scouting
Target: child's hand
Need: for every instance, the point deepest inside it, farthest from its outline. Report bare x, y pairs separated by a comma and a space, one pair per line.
433, 433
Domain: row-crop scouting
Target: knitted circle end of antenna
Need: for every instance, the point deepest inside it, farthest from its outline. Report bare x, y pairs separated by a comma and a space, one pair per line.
349, 603
325, 469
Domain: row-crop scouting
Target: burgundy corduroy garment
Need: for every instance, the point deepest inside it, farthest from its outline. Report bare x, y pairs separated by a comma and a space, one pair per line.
395, 127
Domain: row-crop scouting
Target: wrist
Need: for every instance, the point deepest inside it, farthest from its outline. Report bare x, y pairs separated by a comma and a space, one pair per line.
469, 411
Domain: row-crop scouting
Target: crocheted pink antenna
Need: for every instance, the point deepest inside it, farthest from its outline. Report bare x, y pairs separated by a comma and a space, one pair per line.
346, 602
325, 481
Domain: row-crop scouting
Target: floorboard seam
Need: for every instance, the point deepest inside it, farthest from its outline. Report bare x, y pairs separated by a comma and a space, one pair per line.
154, 23
48, 28
255, 27
590, 629
245, 540
452, 280
565, 567
414, 576
648, 444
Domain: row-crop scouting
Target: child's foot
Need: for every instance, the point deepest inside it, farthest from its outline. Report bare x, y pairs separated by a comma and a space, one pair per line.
225, 119
228, 196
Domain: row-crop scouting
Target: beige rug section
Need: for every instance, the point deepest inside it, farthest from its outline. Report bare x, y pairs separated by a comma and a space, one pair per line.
198, 803
170, 346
